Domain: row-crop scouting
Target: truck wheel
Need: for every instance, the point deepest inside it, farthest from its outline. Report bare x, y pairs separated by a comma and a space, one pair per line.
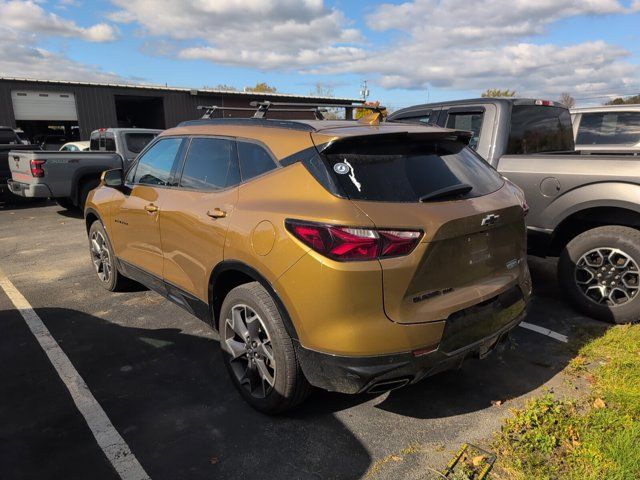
599, 270
84, 189
104, 260
258, 352
65, 203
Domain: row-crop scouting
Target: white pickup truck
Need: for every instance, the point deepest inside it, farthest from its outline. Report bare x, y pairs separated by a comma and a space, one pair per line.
68, 177
607, 129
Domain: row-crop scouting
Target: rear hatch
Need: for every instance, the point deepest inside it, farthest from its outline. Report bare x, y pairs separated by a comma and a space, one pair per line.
473, 242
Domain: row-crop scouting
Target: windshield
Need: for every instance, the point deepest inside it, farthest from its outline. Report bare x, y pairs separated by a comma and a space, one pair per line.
137, 141
411, 172
610, 128
538, 128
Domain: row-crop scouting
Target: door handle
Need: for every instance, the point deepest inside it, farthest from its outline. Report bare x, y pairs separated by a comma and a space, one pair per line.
151, 208
216, 213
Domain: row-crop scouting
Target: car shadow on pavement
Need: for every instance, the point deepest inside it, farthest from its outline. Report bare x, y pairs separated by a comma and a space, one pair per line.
169, 396
70, 212
18, 203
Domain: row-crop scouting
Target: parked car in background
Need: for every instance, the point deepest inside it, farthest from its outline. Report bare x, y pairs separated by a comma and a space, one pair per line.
607, 129
68, 176
9, 140
584, 208
343, 255
75, 147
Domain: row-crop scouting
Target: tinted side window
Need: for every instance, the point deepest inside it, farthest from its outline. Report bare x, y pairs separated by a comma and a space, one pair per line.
137, 141
93, 143
254, 160
609, 128
154, 168
424, 117
211, 164
537, 128
471, 121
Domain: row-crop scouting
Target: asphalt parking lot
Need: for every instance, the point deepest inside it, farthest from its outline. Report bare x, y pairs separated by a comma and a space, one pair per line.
158, 375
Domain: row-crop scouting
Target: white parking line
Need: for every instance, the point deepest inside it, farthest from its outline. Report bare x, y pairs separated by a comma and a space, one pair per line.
545, 331
108, 438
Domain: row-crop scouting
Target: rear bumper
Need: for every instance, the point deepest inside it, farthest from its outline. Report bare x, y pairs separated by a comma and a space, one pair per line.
29, 190
385, 372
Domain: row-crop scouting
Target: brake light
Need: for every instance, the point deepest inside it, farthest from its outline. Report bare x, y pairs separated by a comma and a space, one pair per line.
546, 103
36, 168
354, 243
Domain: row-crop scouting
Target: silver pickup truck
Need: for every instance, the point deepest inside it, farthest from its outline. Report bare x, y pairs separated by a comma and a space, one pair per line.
583, 207
607, 129
68, 177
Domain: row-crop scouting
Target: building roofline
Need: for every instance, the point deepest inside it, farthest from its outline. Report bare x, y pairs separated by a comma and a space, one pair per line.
175, 89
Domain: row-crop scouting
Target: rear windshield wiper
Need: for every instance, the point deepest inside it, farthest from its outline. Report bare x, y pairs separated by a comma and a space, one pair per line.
450, 191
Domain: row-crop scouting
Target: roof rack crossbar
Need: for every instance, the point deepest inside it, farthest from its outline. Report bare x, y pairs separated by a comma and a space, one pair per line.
260, 109
318, 108
210, 109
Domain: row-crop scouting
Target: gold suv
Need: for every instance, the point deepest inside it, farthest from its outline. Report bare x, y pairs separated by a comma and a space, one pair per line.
347, 256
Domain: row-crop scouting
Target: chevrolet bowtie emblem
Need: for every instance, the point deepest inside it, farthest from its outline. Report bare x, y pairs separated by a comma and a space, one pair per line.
490, 219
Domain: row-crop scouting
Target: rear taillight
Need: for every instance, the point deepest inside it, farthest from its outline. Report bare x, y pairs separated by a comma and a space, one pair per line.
36, 168
354, 243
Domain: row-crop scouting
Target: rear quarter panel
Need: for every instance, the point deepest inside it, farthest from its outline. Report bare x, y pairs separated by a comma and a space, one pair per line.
557, 186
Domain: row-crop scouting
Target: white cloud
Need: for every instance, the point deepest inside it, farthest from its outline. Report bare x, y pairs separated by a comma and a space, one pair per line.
489, 43
24, 60
442, 43
265, 34
30, 17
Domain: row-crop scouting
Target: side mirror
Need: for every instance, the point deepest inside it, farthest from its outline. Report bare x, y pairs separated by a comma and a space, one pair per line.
113, 178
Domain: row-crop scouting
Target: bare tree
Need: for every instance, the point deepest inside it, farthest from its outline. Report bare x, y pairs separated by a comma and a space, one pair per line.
322, 90
567, 100
326, 91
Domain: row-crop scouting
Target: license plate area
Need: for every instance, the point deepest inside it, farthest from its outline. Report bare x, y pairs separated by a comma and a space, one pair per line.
473, 324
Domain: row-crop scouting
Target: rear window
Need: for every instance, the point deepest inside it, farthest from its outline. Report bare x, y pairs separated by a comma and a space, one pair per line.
536, 129
137, 141
407, 172
610, 128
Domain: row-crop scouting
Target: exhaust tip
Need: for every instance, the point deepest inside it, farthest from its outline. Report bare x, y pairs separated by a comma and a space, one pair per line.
388, 385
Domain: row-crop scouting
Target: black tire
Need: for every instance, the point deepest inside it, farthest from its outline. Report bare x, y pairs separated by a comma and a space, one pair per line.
83, 191
599, 241
115, 281
290, 387
65, 203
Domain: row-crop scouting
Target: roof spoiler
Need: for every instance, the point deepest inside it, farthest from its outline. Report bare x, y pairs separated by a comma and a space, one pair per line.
462, 136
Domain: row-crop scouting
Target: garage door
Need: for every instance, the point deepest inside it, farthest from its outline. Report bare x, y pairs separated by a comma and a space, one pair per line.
30, 105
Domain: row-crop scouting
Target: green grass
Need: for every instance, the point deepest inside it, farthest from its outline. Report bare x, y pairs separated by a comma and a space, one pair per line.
594, 437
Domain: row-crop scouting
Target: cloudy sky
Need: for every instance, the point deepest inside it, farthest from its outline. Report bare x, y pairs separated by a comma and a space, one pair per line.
409, 52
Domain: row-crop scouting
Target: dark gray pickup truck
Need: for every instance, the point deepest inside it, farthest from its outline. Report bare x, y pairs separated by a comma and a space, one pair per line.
583, 207
67, 176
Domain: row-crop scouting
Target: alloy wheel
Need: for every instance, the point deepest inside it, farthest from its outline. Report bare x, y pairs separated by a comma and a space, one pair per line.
100, 256
247, 341
608, 276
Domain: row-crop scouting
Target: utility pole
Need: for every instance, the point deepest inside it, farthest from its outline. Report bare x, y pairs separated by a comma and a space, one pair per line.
364, 91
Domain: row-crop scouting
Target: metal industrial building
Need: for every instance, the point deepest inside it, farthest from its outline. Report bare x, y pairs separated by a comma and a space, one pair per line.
51, 112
